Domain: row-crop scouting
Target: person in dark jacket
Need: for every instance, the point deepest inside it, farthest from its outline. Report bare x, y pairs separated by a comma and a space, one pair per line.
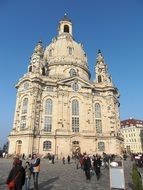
68, 159
18, 173
87, 167
97, 164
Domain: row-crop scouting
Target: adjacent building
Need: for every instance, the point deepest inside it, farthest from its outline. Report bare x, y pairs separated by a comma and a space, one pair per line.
59, 110
132, 131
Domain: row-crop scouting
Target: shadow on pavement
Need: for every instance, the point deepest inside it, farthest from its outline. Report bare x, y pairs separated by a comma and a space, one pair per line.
46, 185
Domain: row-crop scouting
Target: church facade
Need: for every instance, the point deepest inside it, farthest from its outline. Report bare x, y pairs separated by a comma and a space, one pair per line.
59, 110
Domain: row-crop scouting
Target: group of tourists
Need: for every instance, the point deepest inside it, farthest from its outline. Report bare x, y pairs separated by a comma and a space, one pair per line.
20, 176
23, 175
89, 164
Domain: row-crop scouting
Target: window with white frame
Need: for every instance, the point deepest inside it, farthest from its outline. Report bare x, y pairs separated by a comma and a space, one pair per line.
98, 125
75, 116
25, 106
48, 115
23, 122
47, 145
98, 121
24, 114
97, 110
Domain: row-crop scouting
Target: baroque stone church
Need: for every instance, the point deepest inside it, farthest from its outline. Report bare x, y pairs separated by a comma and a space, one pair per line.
59, 110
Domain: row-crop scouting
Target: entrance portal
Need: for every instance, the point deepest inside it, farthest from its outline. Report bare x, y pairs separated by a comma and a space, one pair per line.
75, 148
18, 147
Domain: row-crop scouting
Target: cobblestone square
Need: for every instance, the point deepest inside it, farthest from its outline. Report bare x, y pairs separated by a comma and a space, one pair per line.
65, 177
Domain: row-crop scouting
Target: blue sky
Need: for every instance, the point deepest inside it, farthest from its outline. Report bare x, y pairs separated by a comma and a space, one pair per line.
114, 26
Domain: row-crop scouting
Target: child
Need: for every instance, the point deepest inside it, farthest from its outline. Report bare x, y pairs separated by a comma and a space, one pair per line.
27, 175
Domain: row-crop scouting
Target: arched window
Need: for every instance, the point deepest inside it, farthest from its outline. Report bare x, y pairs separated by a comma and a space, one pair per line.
25, 106
24, 114
19, 142
43, 71
30, 68
75, 116
48, 115
97, 110
47, 145
72, 72
98, 121
99, 79
66, 28
101, 146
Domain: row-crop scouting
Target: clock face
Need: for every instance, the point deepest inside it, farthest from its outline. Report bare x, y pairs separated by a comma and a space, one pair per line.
99, 70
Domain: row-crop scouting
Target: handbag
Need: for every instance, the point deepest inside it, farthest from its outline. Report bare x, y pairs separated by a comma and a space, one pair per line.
11, 184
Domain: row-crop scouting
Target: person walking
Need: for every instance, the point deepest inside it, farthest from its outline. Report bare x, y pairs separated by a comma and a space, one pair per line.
35, 167
53, 159
97, 164
16, 176
27, 175
68, 158
87, 167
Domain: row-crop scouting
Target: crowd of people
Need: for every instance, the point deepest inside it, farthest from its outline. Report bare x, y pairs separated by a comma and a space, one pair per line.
24, 175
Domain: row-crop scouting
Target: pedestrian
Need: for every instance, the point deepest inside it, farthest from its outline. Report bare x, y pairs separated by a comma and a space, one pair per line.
68, 158
63, 160
97, 164
53, 159
3, 154
35, 168
23, 156
87, 167
27, 175
16, 177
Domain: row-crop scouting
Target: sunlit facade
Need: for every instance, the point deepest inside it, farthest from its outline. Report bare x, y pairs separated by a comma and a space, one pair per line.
59, 110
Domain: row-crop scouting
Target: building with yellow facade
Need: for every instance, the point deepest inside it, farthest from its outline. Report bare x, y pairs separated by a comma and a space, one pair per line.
132, 131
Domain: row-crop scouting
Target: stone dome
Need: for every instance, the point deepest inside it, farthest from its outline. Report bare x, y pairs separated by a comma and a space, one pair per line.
65, 53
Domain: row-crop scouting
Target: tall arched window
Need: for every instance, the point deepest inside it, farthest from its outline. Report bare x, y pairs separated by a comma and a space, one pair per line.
47, 145
98, 121
99, 79
66, 28
75, 116
24, 114
48, 115
25, 106
97, 110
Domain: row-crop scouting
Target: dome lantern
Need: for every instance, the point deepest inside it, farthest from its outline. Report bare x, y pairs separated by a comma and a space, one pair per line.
65, 26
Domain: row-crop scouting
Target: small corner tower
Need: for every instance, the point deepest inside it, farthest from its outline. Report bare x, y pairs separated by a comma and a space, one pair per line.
65, 26
36, 61
101, 70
